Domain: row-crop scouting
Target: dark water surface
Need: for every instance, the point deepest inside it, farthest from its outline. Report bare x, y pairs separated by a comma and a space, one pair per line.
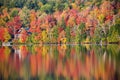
60, 62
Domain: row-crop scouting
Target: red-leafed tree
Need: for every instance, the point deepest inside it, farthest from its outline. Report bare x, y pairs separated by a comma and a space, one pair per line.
78, 19
38, 23
14, 25
109, 17
2, 34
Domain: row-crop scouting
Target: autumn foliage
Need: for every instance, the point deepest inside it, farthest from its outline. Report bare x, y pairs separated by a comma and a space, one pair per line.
35, 22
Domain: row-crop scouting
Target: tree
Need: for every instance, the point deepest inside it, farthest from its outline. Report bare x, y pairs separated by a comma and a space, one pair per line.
101, 18
114, 32
6, 35
68, 36
59, 6
24, 16
106, 8
14, 25
33, 21
43, 1
44, 36
71, 21
81, 30
35, 37
81, 27
77, 37
23, 36
55, 33
32, 4
63, 25
97, 37
4, 18
14, 12
2, 34
78, 20
20, 3
47, 8
114, 37
32, 38
117, 25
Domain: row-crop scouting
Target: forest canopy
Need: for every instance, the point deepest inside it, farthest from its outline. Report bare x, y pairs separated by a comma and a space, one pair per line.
60, 21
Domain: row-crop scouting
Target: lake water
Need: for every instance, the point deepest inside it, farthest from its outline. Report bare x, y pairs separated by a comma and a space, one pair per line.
60, 62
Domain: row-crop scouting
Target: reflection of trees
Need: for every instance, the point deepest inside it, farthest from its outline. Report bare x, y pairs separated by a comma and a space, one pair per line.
62, 62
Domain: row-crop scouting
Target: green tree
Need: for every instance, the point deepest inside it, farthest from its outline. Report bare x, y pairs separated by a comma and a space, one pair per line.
43, 1
47, 8
97, 34
24, 16
14, 12
32, 38
77, 37
55, 33
20, 3
59, 6
63, 25
32, 4
81, 32
117, 25
13, 3
114, 32
67, 30
81, 27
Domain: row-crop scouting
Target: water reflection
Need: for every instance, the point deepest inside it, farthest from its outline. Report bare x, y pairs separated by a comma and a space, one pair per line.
52, 62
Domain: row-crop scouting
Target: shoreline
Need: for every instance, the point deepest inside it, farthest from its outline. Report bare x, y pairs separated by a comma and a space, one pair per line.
82, 43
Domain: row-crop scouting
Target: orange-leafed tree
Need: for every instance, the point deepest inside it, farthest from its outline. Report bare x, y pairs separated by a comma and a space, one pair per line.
4, 36
23, 36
